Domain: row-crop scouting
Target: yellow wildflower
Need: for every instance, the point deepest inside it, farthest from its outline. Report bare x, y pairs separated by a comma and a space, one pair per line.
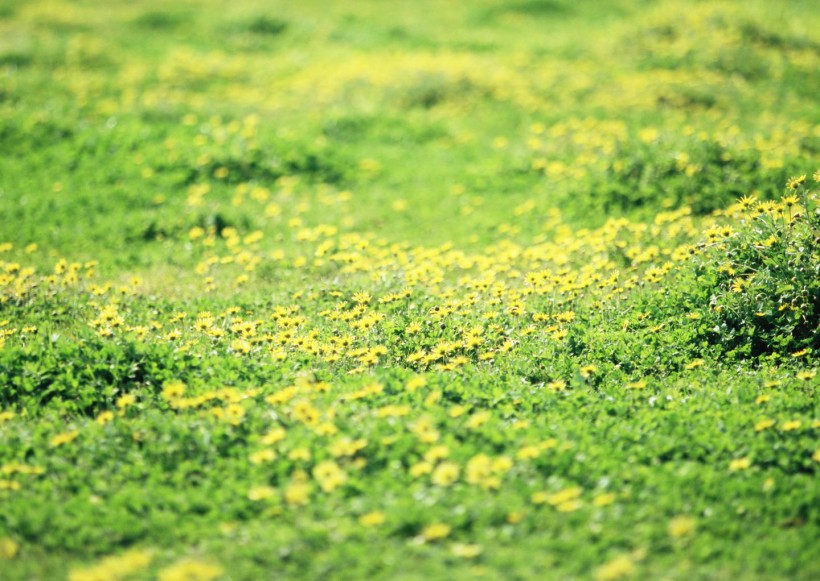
618, 568
372, 519
681, 526
435, 532
445, 474
739, 464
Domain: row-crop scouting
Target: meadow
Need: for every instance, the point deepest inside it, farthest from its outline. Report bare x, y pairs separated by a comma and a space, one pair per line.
409, 290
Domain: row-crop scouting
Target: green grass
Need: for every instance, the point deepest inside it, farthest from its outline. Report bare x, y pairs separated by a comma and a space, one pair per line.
409, 290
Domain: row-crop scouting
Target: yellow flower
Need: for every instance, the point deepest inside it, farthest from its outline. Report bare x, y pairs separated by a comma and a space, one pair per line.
540, 497
420, 469
64, 438
435, 532
126, 400
681, 526
173, 390
104, 417
306, 413
764, 424
261, 492
8, 548
297, 493
345, 447
514, 517
791, 425
603, 499
362, 297
557, 385
479, 469
113, 567
416, 382
588, 370
300, 454
234, 414
445, 474
528, 452
437, 453
568, 506
565, 495
478, 419
329, 475
618, 568
261, 456
739, 464
795, 182
277, 434
372, 519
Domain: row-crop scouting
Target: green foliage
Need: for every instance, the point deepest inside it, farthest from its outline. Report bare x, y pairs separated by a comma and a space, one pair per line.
409, 290
767, 285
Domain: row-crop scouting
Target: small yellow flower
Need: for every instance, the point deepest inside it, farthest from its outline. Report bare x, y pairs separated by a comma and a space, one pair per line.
329, 475
435, 532
445, 474
173, 390
514, 517
566, 495
8, 548
795, 182
275, 435
63, 438
568, 506
234, 414
604, 499
372, 519
528, 452
739, 464
297, 493
261, 493
420, 469
681, 526
618, 568
262, 456
764, 424
791, 425
466, 551
300, 454
126, 400
437, 453
539, 497
104, 417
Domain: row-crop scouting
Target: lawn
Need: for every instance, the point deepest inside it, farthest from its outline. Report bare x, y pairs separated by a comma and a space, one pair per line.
409, 290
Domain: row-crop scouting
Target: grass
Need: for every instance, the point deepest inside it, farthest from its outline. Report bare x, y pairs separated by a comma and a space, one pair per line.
365, 290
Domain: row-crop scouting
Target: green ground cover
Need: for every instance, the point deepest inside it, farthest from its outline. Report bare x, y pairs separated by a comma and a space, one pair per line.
360, 290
